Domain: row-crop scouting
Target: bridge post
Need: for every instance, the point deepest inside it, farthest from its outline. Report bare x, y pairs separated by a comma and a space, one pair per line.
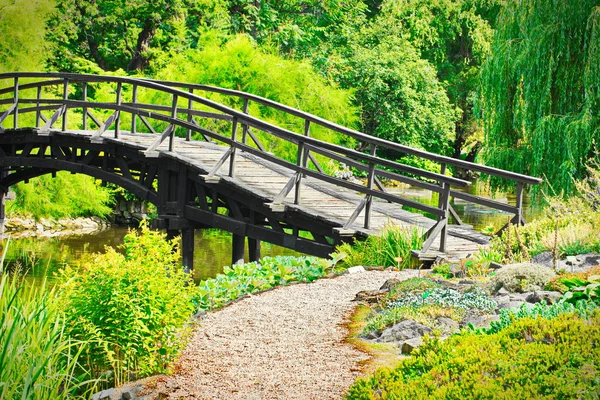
187, 249
237, 249
3, 175
254, 249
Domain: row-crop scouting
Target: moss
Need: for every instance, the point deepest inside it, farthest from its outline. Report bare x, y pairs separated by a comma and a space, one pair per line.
523, 277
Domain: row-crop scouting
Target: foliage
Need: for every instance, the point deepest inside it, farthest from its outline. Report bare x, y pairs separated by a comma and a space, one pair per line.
242, 279
425, 315
557, 284
38, 360
532, 358
130, 308
523, 277
408, 286
541, 90
446, 297
392, 248
64, 196
22, 29
579, 289
508, 316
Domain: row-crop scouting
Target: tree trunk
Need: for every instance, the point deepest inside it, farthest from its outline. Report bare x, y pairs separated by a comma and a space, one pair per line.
138, 57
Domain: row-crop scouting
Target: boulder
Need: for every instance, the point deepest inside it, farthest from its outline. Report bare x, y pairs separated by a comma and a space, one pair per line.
549, 297
409, 345
389, 284
369, 296
402, 331
355, 270
447, 324
131, 393
104, 395
479, 321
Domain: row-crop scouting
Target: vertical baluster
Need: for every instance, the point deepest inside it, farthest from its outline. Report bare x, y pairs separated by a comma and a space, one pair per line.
370, 180
16, 101
118, 110
519, 204
38, 113
245, 126
134, 115
174, 116
444, 204
301, 161
65, 98
233, 148
85, 109
188, 135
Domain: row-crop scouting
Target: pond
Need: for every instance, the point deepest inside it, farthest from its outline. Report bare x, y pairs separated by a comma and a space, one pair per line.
42, 257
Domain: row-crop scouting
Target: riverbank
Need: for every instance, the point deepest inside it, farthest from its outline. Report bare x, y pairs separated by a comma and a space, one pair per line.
22, 227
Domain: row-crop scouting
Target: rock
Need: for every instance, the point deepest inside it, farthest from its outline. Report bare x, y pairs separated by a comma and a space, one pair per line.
549, 297
572, 260
389, 284
402, 331
514, 304
409, 345
131, 393
372, 335
503, 292
544, 258
369, 296
456, 271
588, 260
447, 324
355, 270
479, 321
495, 265
104, 395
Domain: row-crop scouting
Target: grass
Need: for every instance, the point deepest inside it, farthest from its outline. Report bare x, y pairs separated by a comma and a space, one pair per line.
37, 359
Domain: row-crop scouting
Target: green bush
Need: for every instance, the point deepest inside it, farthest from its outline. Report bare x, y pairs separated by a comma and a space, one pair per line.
131, 308
37, 359
523, 277
390, 249
532, 358
242, 279
66, 196
425, 315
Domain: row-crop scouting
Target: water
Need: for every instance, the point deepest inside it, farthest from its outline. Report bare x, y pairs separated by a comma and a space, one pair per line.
42, 257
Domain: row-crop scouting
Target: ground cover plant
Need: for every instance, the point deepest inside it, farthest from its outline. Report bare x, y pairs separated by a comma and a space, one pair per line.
531, 358
38, 360
239, 280
392, 248
130, 308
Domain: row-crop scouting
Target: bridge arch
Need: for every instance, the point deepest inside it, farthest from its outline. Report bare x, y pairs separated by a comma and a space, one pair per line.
198, 183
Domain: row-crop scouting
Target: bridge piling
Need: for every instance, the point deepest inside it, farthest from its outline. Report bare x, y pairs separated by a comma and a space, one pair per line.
254, 249
237, 249
187, 249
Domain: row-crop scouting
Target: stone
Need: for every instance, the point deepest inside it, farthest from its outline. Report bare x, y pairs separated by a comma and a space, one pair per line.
131, 393
544, 258
369, 296
104, 395
372, 335
355, 270
495, 265
456, 271
588, 260
402, 331
447, 324
514, 304
409, 345
572, 260
503, 292
389, 284
480, 321
549, 297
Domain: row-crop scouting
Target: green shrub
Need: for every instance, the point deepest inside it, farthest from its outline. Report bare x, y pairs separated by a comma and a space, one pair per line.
131, 308
523, 277
425, 315
508, 316
65, 196
242, 279
532, 358
390, 249
37, 359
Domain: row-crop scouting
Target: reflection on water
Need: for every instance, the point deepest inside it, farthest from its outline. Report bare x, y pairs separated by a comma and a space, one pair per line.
42, 257
474, 214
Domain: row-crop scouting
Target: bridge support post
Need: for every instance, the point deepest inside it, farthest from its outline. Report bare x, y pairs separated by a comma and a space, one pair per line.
254, 249
187, 249
3, 175
237, 249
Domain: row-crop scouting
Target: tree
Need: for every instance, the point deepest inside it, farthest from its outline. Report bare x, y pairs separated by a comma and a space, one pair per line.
541, 89
22, 29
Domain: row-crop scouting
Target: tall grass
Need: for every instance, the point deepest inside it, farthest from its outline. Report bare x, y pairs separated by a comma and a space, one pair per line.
390, 249
37, 360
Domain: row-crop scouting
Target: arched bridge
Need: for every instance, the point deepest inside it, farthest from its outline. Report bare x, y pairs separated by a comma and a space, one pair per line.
204, 160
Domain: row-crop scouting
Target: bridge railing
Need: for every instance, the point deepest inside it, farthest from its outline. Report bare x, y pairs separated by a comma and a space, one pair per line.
177, 106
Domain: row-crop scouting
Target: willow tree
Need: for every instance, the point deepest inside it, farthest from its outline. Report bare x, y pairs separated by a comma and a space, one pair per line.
541, 89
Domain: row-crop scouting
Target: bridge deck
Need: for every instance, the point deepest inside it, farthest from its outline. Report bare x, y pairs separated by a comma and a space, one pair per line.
328, 202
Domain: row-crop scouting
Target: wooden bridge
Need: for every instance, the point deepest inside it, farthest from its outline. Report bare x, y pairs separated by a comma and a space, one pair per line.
204, 161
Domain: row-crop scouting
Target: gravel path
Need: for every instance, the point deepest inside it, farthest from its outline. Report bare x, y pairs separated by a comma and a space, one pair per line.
287, 343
